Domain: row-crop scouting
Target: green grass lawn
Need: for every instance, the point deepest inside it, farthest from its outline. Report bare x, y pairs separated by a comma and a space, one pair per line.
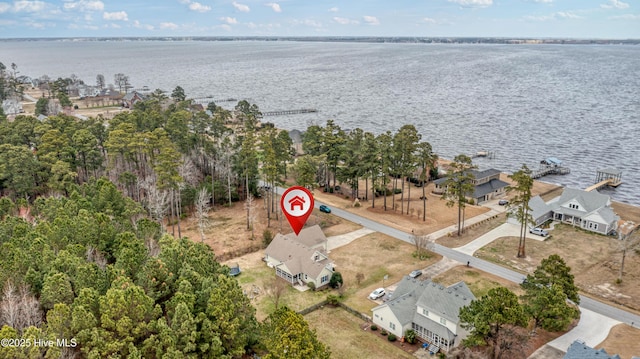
342, 332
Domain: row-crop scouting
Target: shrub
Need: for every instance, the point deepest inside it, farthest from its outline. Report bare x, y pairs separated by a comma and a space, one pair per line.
267, 237
374, 327
410, 336
397, 191
383, 332
336, 280
392, 337
311, 285
333, 299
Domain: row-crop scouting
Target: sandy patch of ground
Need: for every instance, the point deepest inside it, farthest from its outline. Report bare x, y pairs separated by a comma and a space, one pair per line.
623, 340
594, 260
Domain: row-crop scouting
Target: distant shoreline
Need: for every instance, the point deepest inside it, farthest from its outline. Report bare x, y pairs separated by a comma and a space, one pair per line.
356, 39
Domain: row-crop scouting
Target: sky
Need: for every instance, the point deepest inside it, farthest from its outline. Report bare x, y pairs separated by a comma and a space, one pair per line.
601, 19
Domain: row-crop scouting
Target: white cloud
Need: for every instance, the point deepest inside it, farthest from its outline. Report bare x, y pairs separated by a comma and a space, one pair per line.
168, 26
543, 1
225, 27
344, 21
473, 3
308, 22
138, 25
241, 7
429, 20
333, 9
115, 16
615, 4
371, 20
4, 7
554, 16
568, 15
229, 20
625, 17
84, 5
29, 6
196, 6
275, 7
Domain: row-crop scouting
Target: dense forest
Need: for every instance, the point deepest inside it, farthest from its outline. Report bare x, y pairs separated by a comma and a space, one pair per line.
89, 266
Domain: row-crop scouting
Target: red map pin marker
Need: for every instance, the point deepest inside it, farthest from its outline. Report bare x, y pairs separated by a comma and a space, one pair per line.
297, 204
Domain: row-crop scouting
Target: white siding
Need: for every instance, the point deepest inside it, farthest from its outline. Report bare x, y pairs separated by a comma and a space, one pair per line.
382, 316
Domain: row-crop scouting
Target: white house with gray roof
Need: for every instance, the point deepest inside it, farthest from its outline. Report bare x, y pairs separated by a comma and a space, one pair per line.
301, 259
430, 309
588, 210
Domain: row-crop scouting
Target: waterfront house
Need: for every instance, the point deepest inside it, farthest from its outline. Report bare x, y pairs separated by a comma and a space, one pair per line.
301, 259
588, 210
487, 185
430, 309
131, 99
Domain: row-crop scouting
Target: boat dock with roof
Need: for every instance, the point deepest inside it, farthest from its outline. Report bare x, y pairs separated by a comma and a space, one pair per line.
550, 166
606, 177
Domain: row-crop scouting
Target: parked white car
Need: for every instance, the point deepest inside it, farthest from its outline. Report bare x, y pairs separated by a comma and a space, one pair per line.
539, 231
376, 293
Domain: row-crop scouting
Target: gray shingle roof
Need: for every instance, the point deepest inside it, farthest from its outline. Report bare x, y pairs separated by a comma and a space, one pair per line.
446, 301
590, 201
443, 301
579, 350
296, 256
488, 187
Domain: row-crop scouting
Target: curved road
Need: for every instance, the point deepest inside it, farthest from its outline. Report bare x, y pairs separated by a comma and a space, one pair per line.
508, 274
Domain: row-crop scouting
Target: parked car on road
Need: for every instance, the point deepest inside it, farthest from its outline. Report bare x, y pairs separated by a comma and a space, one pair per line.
503, 202
539, 231
415, 273
325, 209
377, 293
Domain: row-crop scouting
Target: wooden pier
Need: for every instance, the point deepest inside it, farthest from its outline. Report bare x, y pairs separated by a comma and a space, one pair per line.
550, 171
289, 112
608, 177
550, 166
208, 100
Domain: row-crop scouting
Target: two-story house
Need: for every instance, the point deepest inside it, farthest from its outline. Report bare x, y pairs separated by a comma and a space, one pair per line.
588, 210
301, 259
487, 185
428, 308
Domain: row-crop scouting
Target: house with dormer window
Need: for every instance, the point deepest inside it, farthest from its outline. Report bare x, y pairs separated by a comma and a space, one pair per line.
301, 259
429, 308
588, 210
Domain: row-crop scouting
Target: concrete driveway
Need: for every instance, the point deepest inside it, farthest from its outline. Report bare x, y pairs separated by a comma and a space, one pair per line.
504, 230
592, 329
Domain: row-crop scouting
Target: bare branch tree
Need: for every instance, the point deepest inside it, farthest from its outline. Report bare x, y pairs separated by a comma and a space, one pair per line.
19, 309
423, 244
275, 289
629, 239
250, 206
157, 201
202, 211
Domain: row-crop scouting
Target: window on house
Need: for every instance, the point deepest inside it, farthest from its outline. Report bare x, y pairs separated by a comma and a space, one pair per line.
573, 206
324, 279
392, 326
425, 312
443, 321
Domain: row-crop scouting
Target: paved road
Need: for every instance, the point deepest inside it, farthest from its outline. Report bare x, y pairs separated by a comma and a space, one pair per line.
508, 274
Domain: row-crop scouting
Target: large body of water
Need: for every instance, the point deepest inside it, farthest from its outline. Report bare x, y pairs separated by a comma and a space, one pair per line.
579, 103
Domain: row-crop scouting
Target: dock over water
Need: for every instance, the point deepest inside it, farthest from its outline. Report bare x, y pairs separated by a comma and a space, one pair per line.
289, 112
607, 177
550, 166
